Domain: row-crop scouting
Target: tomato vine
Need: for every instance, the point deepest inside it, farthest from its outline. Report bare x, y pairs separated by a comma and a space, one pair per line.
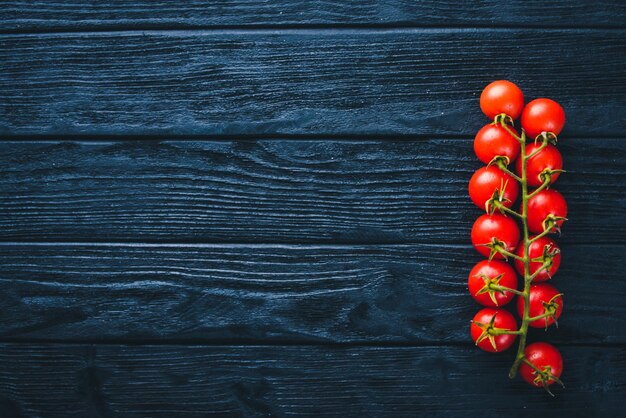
542, 211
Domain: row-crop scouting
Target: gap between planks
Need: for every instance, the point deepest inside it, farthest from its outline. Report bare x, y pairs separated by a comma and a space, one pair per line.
274, 343
251, 137
200, 244
303, 30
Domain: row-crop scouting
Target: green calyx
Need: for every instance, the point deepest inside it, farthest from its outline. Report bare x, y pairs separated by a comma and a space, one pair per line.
546, 260
549, 310
491, 287
547, 173
490, 331
543, 376
498, 247
502, 119
546, 138
551, 224
497, 200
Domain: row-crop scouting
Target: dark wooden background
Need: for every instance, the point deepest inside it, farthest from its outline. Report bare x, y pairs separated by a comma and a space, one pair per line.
258, 208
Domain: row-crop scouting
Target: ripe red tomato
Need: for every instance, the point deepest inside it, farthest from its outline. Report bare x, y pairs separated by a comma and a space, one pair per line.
549, 157
543, 297
500, 274
535, 250
544, 203
543, 115
498, 226
493, 140
486, 180
490, 319
545, 357
502, 96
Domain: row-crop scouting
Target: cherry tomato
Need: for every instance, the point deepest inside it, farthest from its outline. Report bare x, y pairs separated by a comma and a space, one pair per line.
549, 157
493, 140
496, 272
545, 357
543, 115
488, 227
489, 320
535, 250
544, 298
502, 96
486, 180
544, 203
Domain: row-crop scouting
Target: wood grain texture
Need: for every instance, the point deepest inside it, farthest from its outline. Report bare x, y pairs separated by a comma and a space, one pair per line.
395, 82
280, 191
72, 14
149, 381
364, 256
302, 294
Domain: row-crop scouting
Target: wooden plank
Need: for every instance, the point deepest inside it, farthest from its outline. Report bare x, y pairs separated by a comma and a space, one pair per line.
395, 82
280, 293
280, 191
173, 381
72, 14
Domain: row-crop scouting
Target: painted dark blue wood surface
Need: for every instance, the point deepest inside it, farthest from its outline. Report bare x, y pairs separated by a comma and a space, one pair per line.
257, 208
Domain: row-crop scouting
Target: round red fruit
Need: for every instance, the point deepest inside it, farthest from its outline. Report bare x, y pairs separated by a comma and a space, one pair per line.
543, 115
537, 250
547, 359
544, 300
548, 158
494, 273
546, 203
496, 227
502, 96
487, 327
493, 140
486, 181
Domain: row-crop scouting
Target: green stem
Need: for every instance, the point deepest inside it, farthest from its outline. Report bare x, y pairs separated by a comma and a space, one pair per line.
537, 369
525, 258
499, 288
523, 330
500, 206
509, 254
506, 332
538, 271
542, 316
506, 128
502, 166
538, 150
543, 186
539, 236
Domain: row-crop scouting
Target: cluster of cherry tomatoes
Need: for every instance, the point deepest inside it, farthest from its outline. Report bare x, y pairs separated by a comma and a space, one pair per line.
496, 234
